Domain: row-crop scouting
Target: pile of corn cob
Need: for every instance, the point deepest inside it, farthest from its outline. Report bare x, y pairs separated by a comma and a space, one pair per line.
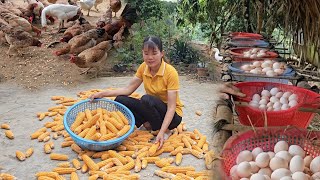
136, 152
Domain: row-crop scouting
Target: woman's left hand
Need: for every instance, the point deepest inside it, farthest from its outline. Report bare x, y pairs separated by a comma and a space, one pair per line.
160, 139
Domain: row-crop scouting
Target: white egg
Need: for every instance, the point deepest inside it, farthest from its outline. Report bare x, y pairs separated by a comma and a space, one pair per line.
270, 104
296, 164
263, 107
281, 146
283, 100
271, 154
233, 172
246, 54
307, 161
279, 95
274, 91
261, 55
286, 94
254, 71
257, 176
262, 50
284, 107
254, 104
265, 93
256, 151
266, 69
284, 155
268, 61
292, 103
266, 98
296, 150
277, 105
254, 50
286, 178
276, 65
270, 109
271, 73
299, 176
277, 162
276, 109
278, 71
279, 173
244, 156
244, 169
265, 171
256, 63
246, 67
256, 97
265, 65
316, 176
263, 101
273, 99
262, 160
252, 56
254, 167
293, 97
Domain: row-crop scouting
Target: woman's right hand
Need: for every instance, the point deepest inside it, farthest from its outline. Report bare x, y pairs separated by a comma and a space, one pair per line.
96, 95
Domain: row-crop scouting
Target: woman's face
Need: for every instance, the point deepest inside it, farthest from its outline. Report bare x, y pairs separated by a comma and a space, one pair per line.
152, 57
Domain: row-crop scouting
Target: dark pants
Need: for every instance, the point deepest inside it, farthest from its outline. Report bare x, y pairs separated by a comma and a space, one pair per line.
148, 109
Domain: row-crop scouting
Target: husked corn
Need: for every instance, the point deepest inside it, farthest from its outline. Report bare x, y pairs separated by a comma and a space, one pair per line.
5, 126
59, 157
76, 164
90, 163
29, 152
144, 164
178, 159
47, 148
64, 165
9, 134
20, 155
138, 165
60, 170
74, 176
164, 174
48, 174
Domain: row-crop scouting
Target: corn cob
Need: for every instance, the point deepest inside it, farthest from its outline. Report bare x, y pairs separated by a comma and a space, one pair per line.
151, 159
5, 126
91, 132
140, 151
202, 141
45, 178
76, 148
199, 173
92, 121
195, 147
153, 148
36, 134
123, 118
95, 137
116, 123
99, 154
59, 157
42, 136
162, 163
20, 155
55, 136
179, 128
76, 164
103, 128
205, 147
164, 174
121, 172
127, 167
175, 170
46, 139
74, 176
94, 177
158, 152
29, 152
107, 166
208, 160
88, 114
138, 165
90, 163
105, 156
78, 129
176, 151
144, 164
123, 131
129, 159
107, 137
64, 170
84, 132
143, 154
64, 165
178, 159
48, 174
116, 161
111, 127
42, 116
127, 153
182, 177
100, 173
114, 154
84, 168
197, 154
47, 148
168, 149
9, 134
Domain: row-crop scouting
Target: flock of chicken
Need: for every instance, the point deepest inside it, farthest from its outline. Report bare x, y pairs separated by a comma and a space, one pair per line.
87, 44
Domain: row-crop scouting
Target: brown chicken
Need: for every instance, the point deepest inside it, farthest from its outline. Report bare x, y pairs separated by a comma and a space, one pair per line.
18, 39
19, 23
115, 6
118, 38
106, 18
84, 41
76, 29
93, 57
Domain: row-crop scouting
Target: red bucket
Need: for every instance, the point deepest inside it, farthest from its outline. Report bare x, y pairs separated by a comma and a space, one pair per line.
291, 116
266, 139
237, 54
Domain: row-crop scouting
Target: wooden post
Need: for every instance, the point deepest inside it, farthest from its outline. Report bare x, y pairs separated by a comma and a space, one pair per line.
223, 114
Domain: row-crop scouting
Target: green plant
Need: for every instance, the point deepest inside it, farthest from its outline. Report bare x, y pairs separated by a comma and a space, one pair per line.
181, 51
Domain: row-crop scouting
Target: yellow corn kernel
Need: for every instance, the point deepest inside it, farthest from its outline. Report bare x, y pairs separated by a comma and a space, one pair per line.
203, 178
127, 167
116, 123
153, 148
59, 157
105, 156
137, 167
94, 177
45, 178
117, 117
91, 132
164, 174
88, 114
74, 176
198, 154
84, 168
195, 136
158, 152
202, 141
116, 161
178, 159
47, 148
20, 155
123, 131
143, 154
205, 147
84, 132
9, 134
90, 163
68, 139
121, 172
78, 129
36, 134
127, 153
162, 163
144, 164
103, 128
199, 173
42, 136
107, 137
107, 166
48, 174
46, 139
29, 152
175, 170
64, 165
76, 164
100, 173
99, 154
66, 144
208, 160
64, 170
151, 159
76, 148
54, 98
114, 154
95, 137
183, 177
122, 117
55, 136
144, 149
176, 151
195, 147
168, 149
42, 116
5, 126
111, 127
91, 121
179, 128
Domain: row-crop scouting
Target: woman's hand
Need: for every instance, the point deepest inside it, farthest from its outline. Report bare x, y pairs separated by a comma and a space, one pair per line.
96, 95
160, 139
229, 88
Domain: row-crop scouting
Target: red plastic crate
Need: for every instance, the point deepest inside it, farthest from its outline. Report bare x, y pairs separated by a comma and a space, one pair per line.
291, 116
245, 35
237, 54
266, 139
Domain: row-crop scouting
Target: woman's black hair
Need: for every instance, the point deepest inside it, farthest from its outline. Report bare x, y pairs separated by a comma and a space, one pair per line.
152, 42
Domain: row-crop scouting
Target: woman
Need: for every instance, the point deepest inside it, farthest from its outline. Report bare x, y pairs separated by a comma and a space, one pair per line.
161, 108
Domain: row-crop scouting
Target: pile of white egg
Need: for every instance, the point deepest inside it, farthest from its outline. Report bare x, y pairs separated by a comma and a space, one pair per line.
255, 53
274, 100
283, 163
266, 67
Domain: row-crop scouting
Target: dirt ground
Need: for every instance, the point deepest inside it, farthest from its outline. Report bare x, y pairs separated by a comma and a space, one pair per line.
19, 107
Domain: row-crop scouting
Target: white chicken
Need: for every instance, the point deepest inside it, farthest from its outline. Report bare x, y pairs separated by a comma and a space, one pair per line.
87, 5
217, 56
62, 12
